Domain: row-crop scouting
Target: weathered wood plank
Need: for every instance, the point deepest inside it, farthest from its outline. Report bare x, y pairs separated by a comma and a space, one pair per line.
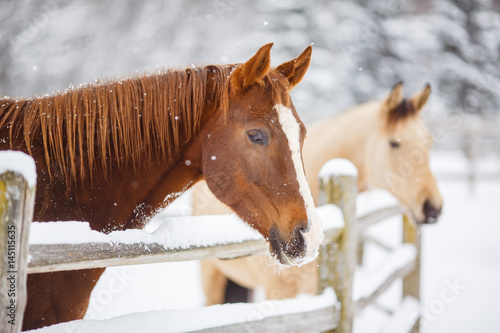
332, 236
337, 261
362, 303
61, 257
313, 321
367, 220
365, 238
371, 218
411, 283
16, 213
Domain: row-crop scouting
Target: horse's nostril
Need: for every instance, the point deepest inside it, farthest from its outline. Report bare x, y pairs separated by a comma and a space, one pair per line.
300, 242
274, 241
300, 232
285, 249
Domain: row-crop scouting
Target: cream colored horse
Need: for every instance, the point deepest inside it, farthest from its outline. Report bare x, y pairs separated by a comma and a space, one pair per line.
389, 144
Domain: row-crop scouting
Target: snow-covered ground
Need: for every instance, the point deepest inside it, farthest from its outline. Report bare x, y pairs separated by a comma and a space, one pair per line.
460, 266
460, 254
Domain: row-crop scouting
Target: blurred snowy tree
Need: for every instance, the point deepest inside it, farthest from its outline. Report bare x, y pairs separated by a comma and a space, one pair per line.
361, 48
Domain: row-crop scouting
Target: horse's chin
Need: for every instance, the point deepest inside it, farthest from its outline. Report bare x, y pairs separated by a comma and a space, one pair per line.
430, 220
285, 260
425, 220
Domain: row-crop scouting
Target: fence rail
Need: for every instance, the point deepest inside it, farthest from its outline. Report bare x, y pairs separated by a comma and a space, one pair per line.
62, 257
313, 321
337, 261
372, 218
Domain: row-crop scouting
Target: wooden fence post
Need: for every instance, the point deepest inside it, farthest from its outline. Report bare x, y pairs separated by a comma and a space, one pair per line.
411, 283
16, 213
337, 261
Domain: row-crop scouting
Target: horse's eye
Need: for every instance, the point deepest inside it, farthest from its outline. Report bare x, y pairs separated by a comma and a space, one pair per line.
394, 143
258, 137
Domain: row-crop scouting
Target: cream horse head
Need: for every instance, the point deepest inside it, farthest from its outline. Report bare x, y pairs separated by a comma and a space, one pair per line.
386, 140
397, 154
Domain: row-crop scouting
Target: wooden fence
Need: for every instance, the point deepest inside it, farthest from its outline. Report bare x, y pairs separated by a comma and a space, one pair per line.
338, 257
16, 213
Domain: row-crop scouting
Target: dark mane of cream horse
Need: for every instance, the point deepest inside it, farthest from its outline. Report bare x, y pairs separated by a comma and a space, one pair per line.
113, 153
389, 144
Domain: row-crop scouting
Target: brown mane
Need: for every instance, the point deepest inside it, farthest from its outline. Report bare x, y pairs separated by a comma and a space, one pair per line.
127, 120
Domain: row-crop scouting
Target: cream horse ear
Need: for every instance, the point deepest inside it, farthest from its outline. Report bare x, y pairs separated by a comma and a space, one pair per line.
395, 97
294, 70
419, 99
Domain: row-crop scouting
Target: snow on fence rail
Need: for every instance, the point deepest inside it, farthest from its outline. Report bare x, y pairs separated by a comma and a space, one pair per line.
177, 239
337, 259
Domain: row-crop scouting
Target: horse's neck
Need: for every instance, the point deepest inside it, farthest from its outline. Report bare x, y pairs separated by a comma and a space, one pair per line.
186, 169
124, 199
127, 197
169, 187
342, 136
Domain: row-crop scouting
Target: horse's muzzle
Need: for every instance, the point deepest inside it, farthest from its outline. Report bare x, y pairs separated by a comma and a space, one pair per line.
295, 251
431, 213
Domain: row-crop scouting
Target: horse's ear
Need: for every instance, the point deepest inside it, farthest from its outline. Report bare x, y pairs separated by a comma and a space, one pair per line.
419, 99
253, 70
395, 97
294, 70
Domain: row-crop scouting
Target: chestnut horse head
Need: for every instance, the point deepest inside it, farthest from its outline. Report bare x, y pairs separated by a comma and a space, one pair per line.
252, 157
233, 125
397, 155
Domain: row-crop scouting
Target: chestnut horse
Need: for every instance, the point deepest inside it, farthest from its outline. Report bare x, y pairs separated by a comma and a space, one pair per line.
114, 153
389, 144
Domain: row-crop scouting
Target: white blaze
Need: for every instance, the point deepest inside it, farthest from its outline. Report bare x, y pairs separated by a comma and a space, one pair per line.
314, 235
